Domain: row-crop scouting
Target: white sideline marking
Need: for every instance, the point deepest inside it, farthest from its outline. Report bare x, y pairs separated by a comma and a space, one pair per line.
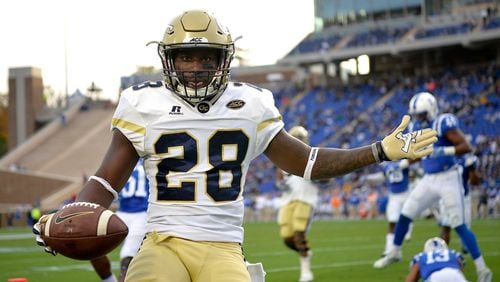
115, 266
80, 266
320, 266
8, 250
16, 236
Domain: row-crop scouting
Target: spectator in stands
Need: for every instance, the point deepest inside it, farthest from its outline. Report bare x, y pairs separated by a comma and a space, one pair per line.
482, 206
35, 214
336, 203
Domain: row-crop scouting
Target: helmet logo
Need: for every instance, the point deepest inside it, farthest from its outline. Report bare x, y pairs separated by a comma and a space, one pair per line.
170, 29
203, 107
222, 27
235, 104
407, 138
195, 40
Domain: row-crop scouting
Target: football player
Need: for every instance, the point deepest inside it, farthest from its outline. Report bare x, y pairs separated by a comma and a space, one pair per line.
470, 175
437, 263
442, 180
198, 133
132, 209
299, 198
397, 176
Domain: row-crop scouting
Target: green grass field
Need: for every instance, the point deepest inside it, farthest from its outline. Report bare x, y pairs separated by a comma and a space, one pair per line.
343, 251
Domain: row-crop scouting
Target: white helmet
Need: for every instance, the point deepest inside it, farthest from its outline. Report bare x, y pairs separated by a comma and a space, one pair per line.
424, 102
435, 244
300, 133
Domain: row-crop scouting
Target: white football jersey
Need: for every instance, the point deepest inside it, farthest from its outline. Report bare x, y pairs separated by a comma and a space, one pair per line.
196, 158
299, 189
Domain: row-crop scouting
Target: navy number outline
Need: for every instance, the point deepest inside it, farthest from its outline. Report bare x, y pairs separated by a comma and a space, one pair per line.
186, 192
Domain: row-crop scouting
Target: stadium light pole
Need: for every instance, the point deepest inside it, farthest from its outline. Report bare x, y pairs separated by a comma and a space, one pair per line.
66, 96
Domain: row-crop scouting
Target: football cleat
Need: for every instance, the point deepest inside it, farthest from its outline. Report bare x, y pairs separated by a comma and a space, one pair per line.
484, 275
390, 258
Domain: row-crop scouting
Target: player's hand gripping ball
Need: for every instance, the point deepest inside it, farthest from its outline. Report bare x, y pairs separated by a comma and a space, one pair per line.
80, 231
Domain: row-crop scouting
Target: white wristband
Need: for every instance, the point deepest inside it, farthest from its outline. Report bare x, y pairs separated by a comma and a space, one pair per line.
310, 162
449, 150
106, 185
375, 152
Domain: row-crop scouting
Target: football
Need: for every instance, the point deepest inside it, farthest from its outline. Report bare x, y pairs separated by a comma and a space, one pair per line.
83, 231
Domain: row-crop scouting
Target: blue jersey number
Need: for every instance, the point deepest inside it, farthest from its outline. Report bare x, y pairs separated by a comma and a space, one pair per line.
442, 256
136, 185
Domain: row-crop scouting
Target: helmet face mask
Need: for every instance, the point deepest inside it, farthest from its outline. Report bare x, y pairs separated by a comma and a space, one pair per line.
196, 33
423, 106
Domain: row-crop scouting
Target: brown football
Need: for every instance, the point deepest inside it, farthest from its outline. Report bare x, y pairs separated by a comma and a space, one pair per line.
83, 231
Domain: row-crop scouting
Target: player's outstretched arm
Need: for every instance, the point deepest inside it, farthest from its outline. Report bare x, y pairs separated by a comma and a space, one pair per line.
297, 158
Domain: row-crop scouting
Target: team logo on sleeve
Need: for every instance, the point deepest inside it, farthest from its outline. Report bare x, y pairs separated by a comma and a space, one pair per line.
235, 104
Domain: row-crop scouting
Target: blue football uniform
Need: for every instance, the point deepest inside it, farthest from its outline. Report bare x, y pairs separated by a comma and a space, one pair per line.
397, 178
134, 195
430, 262
133, 206
442, 124
468, 162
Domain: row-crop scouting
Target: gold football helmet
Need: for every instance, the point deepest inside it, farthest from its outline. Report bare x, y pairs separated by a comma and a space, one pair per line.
300, 133
196, 29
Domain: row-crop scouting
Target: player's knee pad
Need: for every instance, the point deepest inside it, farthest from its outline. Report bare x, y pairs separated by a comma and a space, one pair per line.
300, 241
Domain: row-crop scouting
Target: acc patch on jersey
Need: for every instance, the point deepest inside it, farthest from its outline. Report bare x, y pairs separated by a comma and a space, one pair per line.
235, 104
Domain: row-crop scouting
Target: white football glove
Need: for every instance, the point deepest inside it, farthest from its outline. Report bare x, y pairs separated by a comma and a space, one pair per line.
38, 229
399, 145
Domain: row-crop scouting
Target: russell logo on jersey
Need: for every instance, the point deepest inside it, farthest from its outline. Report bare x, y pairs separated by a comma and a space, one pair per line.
176, 110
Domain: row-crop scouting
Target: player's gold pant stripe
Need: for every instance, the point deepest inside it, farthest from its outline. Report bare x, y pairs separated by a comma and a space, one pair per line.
129, 126
265, 123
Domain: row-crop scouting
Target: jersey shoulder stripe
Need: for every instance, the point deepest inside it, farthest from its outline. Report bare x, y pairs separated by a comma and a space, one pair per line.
116, 122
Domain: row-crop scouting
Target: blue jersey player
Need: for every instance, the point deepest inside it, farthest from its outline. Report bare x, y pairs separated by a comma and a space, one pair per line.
133, 205
132, 209
442, 180
470, 176
396, 176
437, 263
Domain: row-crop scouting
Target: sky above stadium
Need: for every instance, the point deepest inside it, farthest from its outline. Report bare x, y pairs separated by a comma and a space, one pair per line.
104, 40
